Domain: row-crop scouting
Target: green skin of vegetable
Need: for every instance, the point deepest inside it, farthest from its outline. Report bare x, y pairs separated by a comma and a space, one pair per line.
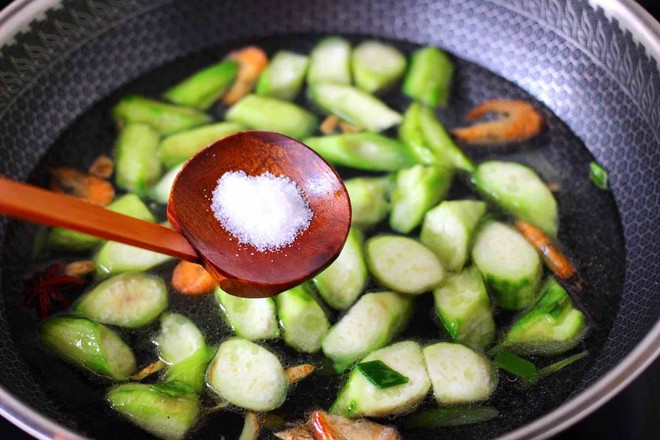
166, 118
135, 168
182, 146
343, 281
88, 345
411, 134
429, 77
284, 76
441, 143
473, 325
551, 326
74, 241
365, 151
514, 291
192, 370
429, 142
167, 412
417, 190
303, 321
370, 202
264, 113
354, 105
512, 295
205, 87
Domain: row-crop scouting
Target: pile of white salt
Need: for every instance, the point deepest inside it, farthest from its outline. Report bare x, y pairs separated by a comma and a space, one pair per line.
265, 211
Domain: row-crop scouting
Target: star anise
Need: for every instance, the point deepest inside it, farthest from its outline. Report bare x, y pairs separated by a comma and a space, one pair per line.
45, 289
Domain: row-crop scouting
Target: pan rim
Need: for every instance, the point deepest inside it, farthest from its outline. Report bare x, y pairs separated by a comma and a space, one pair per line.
631, 17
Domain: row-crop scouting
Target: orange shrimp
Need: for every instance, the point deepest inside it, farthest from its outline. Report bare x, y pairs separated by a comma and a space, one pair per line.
298, 432
329, 124
147, 371
102, 167
79, 268
331, 427
251, 61
192, 279
82, 185
519, 121
299, 372
332, 122
554, 258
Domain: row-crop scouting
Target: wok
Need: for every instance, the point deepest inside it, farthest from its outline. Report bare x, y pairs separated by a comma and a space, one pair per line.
591, 65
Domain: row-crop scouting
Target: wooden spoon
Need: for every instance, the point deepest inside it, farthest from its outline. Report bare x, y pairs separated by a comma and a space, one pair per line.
239, 269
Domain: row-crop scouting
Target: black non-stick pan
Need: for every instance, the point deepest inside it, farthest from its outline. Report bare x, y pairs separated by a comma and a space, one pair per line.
591, 67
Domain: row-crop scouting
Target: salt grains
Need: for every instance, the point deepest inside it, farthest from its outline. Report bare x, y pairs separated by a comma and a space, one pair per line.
266, 211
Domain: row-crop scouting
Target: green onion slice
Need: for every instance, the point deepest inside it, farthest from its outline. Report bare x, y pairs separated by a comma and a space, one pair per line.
379, 374
442, 417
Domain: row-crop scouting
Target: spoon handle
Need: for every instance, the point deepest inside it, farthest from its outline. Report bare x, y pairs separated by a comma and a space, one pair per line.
48, 208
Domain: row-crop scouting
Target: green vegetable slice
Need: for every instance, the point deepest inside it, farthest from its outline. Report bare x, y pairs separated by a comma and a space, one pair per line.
330, 61
88, 345
429, 77
518, 190
182, 146
135, 150
354, 105
376, 66
516, 365
284, 75
167, 411
364, 151
261, 112
166, 118
378, 373
128, 300
343, 281
598, 175
445, 417
369, 200
205, 87
559, 365
553, 325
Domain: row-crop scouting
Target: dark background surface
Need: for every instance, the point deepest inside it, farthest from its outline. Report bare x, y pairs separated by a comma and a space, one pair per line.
633, 414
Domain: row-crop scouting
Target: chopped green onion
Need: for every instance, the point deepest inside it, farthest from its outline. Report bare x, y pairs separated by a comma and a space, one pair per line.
379, 374
553, 368
173, 389
598, 175
516, 365
442, 417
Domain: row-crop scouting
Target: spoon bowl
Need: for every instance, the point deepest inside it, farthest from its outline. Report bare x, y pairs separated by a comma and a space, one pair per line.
239, 268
